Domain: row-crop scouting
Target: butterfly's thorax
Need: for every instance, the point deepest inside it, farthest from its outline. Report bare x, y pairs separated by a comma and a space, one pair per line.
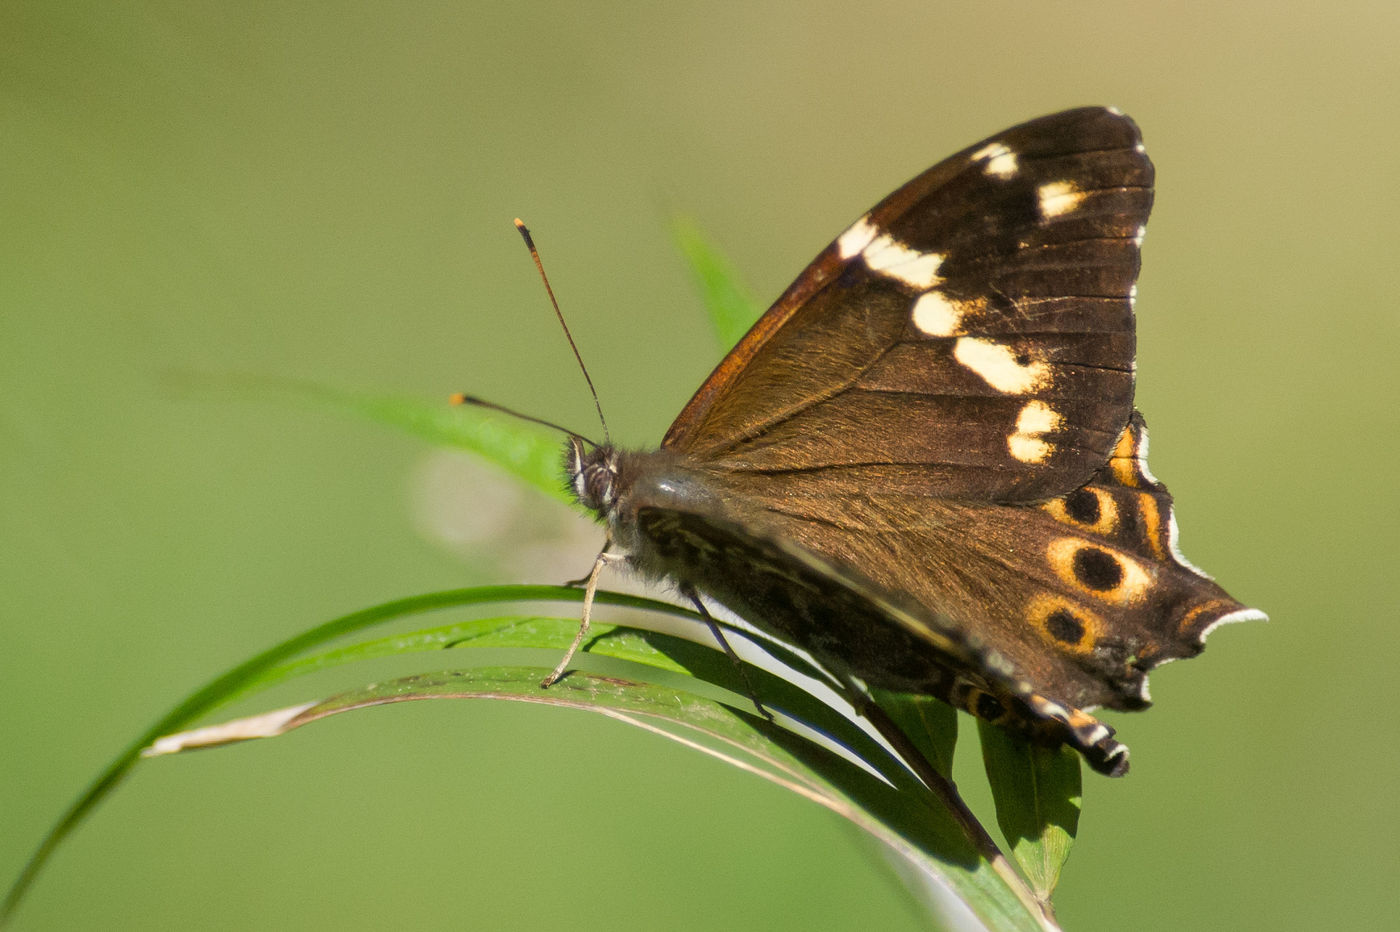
614, 483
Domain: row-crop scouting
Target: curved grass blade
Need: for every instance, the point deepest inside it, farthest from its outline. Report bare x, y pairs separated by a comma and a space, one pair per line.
229, 686
646, 657
921, 834
1038, 794
731, 309
521, 449
931, 724
686, 660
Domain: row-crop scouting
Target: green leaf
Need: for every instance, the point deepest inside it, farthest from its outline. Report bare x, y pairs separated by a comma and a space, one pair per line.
248, 675
655, 680
926, 840
525, 451
1038, 794
689, 660
931, 724
731, 309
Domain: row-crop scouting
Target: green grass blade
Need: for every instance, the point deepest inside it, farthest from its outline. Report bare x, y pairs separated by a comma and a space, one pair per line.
1038, 795
526, 451
923, 837
932, 725
629, 675
731, 309
691, 662
236, 682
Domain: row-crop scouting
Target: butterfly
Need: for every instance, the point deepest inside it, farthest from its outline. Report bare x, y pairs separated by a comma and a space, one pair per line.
923, 465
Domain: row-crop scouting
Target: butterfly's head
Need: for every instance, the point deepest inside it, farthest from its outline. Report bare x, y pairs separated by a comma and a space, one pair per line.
592, 473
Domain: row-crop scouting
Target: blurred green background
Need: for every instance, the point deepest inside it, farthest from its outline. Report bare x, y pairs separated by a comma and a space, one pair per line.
324, 192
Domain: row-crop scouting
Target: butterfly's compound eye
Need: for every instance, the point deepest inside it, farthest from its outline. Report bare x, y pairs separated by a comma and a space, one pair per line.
592, 474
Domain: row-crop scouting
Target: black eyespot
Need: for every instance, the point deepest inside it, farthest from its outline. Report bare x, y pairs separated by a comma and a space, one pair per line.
1064, 627
1023, 359
1082, 505
1097, 569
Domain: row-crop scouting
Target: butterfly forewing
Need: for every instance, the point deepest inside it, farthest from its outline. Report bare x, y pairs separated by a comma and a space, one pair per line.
976, 325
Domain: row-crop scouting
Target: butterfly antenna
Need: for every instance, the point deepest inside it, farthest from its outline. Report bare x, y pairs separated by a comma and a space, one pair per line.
463, 399
535, 254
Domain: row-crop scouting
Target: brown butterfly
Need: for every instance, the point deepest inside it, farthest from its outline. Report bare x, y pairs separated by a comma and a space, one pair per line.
923, 465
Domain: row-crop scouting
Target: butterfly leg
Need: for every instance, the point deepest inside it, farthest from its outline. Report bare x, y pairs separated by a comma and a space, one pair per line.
689, 592
591, 582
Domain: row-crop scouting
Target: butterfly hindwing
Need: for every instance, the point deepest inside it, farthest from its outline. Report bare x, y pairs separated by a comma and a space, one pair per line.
1029, 616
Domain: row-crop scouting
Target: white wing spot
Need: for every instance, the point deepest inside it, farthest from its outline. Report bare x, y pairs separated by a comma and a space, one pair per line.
1059, 198
1037, 417
893, 259
938, 316
888, 256
1029, 449
1001, 161
1027, 444
997, 365
854, 240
